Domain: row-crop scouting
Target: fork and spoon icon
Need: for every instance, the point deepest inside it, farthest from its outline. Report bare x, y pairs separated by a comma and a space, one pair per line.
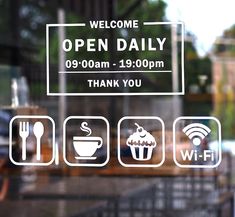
38, 130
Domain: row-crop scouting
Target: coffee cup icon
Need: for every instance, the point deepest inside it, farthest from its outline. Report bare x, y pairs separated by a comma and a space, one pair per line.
86, 146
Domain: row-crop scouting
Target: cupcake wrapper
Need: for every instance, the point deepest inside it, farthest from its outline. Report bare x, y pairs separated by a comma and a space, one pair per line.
141, 152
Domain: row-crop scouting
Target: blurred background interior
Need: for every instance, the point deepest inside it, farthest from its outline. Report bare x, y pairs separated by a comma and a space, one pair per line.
59, 190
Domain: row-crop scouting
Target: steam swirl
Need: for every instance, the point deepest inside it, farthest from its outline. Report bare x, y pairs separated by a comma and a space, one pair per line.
84, 127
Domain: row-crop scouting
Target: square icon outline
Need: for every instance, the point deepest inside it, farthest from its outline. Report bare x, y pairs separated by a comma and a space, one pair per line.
64, 141
219, 141
53, 140
163, 141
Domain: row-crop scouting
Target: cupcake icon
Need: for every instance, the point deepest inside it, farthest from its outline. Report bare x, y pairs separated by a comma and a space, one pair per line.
141, 144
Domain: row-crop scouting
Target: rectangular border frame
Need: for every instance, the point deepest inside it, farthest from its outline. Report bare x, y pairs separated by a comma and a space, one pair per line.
182, 92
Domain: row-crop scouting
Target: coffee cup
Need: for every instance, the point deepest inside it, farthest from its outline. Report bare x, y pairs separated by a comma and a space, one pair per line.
86, 146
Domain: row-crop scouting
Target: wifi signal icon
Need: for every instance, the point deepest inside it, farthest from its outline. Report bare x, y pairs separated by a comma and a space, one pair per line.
196, 132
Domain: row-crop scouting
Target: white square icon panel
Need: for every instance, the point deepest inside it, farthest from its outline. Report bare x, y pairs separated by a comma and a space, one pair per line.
192, 142
29, 137
141, 141
86, 141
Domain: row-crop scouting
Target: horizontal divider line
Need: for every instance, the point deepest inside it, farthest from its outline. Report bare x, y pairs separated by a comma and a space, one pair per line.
106, 72
65, 24
162, 23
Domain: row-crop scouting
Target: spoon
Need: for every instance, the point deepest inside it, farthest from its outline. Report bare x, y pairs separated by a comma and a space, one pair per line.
38, 130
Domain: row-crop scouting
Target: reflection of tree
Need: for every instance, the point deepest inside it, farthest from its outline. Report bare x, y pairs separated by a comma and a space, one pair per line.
33, 16
150, 11
146, 11
195, 65
22, 27
224, 106
225, 46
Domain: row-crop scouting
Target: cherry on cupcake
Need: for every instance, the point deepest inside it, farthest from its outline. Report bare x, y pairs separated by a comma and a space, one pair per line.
140, 130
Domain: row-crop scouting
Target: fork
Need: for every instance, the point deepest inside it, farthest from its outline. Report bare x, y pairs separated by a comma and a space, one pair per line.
24, 133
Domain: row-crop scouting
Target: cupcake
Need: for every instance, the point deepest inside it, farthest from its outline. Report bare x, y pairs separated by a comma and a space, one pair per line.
141, 144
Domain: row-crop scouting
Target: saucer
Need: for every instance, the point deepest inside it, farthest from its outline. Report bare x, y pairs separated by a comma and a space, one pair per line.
85, 158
